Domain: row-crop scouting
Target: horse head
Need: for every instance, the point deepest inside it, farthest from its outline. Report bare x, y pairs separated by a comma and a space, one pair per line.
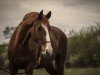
39, 35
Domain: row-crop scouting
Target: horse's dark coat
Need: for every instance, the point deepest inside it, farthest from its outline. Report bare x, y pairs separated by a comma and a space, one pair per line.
22, 52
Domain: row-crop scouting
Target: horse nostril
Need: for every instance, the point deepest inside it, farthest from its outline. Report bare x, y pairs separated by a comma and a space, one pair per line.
49, 51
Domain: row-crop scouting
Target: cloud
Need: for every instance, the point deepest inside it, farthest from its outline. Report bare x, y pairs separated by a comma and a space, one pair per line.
66, 14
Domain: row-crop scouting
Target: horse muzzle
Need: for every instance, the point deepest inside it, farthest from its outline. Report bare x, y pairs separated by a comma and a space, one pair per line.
47, 57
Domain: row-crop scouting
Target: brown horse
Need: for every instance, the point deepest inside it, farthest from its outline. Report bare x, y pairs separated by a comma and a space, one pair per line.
35, 38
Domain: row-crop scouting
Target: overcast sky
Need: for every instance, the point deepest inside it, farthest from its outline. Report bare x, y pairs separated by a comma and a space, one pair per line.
66, 14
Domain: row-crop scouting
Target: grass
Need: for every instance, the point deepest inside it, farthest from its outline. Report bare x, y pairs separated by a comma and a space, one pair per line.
69, 71
82, 71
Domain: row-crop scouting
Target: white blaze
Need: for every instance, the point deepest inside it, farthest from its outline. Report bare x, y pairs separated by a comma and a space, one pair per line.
48, 47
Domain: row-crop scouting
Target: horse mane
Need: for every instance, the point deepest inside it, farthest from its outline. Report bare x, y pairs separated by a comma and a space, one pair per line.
24, 27
31, 14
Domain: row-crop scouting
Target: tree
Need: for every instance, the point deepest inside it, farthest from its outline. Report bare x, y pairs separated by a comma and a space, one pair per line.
8, 31
84, 45
2, 52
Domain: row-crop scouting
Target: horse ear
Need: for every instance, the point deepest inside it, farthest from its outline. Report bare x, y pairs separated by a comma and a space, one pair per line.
48, 15
40, 15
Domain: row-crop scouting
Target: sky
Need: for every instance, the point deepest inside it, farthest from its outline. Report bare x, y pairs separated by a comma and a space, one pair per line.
66, 14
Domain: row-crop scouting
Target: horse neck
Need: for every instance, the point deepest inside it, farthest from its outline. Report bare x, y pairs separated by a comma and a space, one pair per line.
20, 38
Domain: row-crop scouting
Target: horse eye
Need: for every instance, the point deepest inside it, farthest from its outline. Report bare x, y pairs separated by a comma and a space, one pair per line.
39, 28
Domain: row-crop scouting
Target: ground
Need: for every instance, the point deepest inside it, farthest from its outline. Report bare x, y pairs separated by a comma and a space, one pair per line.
69, 71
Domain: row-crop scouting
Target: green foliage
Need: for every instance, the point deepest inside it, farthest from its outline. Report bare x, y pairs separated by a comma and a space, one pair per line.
2, 51
85, 46
2, 48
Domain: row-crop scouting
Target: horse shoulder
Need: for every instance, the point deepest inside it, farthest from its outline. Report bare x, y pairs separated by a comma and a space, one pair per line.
62, 39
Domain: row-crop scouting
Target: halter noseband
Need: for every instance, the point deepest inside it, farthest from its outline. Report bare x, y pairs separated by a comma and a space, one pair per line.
42, 42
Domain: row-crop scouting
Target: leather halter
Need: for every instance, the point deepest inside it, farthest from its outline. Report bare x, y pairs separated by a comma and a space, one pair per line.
42, 42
